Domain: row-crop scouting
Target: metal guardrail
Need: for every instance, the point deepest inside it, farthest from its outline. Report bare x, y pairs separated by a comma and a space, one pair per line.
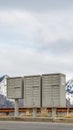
5, 110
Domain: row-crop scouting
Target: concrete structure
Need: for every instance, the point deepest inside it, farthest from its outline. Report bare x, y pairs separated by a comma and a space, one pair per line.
53, 91
14, 90
32, 92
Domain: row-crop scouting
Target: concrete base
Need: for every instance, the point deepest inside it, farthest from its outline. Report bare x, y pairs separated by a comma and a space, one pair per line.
53, 113
16, 107
67, 111
34, 112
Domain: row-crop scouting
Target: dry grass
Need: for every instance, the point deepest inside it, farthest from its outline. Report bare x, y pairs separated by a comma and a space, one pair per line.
70, 115
44, 113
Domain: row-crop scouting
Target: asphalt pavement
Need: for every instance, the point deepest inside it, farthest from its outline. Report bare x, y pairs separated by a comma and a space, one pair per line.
13, 125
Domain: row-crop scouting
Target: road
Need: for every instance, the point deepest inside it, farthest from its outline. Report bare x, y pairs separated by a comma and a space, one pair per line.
5, 125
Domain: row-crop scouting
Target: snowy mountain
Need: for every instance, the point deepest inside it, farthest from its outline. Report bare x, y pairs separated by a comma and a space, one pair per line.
69, 91
3, 85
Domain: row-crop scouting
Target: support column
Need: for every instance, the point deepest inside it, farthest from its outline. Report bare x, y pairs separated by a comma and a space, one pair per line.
53, 113
16, 107
34, 112
67, 111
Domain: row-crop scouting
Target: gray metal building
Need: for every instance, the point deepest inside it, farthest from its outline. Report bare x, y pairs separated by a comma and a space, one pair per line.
53, 90
14, 88
32, 91
38, 91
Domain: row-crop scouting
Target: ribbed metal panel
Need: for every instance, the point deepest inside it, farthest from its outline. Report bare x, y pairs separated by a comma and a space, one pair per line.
55, 96
53, 89
32, 91
14, 87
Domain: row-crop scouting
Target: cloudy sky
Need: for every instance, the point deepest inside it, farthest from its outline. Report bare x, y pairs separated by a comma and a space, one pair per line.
36, 37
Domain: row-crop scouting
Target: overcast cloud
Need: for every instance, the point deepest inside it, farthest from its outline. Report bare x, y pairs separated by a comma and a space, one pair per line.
36, 37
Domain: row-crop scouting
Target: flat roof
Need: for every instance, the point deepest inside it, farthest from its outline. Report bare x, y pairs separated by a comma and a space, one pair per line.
53, 74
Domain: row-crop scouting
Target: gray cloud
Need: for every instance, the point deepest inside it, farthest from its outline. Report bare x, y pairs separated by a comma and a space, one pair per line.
36, 5
34, 42
60, 47
16, 61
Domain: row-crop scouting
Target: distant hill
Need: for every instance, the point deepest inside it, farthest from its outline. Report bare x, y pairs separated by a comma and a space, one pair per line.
5, 103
